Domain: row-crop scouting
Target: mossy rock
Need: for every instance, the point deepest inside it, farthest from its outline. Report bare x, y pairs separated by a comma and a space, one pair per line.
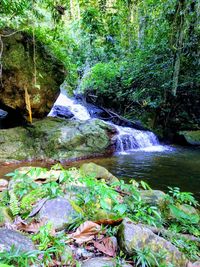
191, 137
56, 139
99, 172
19, 72
133, 237
152, 197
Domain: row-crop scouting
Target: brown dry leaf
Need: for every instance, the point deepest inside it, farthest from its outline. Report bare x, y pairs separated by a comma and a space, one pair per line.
86, 232
33, 227
107, 246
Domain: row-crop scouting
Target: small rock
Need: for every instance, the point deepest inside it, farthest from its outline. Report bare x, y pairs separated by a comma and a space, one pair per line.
3, 183
102, 262
98, 172
134, 237
83, 253
153, 197
9, 238
58, 211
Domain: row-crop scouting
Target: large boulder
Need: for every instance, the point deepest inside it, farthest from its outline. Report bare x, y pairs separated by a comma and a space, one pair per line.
58, 211
53, 138
21, 68
190, 137
9, 238
133, 237
97, 171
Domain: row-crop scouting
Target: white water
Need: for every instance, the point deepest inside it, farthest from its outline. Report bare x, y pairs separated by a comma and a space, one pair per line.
129, 139
78, 110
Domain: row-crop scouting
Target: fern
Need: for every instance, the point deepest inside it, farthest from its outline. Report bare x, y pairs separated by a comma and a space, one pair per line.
14, 204
31, 198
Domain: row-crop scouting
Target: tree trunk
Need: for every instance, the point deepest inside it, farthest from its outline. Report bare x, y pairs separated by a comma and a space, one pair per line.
179, 45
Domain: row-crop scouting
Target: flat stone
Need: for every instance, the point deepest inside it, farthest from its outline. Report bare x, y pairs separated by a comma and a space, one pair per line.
9, 238
58, 211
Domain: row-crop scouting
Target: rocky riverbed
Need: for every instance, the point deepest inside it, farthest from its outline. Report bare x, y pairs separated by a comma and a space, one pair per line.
87, 217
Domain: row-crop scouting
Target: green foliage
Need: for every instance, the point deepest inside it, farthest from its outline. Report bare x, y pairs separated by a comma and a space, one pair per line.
182, 197
16, 257
146, 258
31, 198
14, 203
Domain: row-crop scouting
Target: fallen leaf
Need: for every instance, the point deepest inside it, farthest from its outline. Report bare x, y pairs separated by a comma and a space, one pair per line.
107, 246
86, 232
32, 227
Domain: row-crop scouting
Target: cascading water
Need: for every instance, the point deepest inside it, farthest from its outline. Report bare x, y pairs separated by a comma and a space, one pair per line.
64, 103
129, 139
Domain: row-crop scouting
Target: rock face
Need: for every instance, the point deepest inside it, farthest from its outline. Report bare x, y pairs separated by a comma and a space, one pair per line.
58, 211
97, 171
56, 139
19, 73
133, 237
9, 238
191, 137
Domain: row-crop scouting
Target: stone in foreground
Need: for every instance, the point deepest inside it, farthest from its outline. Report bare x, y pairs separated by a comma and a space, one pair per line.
9, 238
98, 172
133, 237
58, 211
103, 262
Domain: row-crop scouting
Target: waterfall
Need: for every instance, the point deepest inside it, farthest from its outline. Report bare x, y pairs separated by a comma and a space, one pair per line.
126, 140
129, 139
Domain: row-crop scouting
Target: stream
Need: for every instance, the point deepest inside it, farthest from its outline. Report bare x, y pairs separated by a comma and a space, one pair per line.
177, 166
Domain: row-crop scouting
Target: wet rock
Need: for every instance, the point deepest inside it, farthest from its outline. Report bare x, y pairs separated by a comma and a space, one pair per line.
62, 112
134, 237
191, 137
9, 238
98, 172
56, 139
102, 262
3, 114
153, 197
58, 211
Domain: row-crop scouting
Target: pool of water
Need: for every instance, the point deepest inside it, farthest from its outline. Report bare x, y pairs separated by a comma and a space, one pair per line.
172, 167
